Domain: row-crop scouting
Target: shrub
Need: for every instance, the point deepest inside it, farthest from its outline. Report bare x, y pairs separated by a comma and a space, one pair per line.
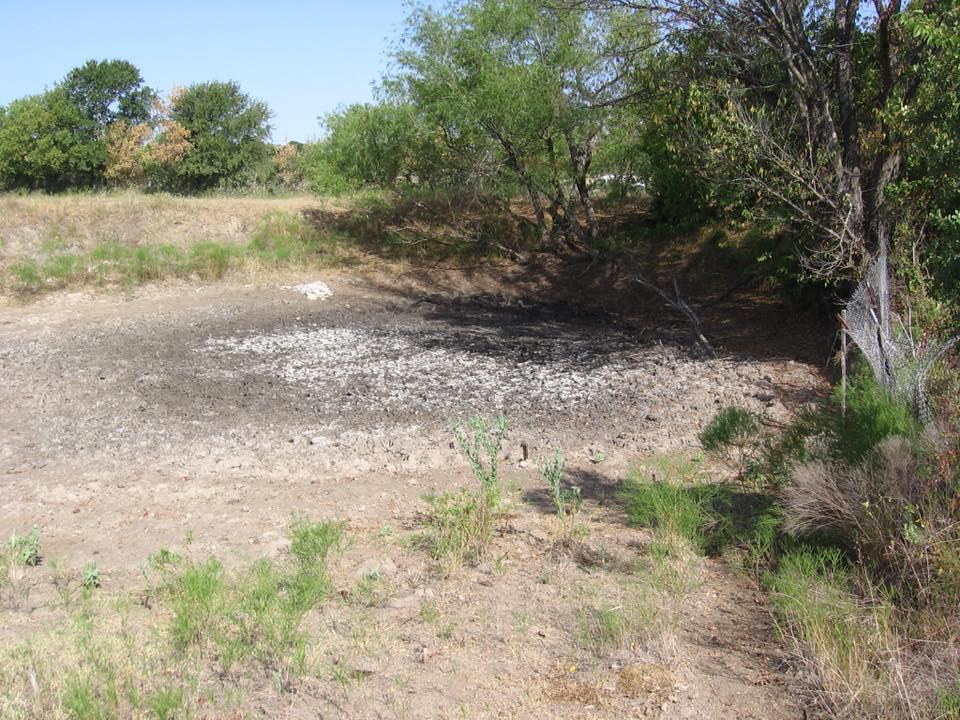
730, 435
871, 415
884, 511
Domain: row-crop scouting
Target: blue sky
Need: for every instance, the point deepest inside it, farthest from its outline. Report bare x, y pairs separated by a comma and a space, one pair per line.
302, 58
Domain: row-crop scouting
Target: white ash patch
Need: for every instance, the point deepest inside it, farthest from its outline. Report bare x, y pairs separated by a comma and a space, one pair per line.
317, 290
434, 371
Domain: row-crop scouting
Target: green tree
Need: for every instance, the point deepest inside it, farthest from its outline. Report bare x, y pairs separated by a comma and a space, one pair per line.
927, 199
45, 144
109, 90
227, 131
533, 83
804, 96
372, 144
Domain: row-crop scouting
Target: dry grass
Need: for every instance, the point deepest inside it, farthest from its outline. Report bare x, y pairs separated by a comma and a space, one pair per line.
860, 647
128, 238
37, 225
51, 243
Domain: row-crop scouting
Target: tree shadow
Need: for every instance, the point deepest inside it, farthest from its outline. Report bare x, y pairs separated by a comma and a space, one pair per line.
475, 262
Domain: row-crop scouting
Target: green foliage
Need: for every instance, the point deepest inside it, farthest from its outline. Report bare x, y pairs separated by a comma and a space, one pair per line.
25, 549
311, 543
459, 526
90, 576
212, 631
166, 703
257, 614
80, 701
567, 502
46, 143
731, 426
228, 132
671, 509
372, 590
871, 416
619, 625
928, 194
56, 140
948, 701
319, 173
481, 442
196, 598
854, 643
731, 434
811, 586
712, 518
375, 145
108, 91
530, 110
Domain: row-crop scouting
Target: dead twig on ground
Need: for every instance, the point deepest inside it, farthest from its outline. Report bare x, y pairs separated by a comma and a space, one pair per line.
683, 307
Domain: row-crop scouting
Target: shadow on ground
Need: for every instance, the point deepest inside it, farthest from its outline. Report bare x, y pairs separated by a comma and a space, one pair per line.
476, 263
595, 487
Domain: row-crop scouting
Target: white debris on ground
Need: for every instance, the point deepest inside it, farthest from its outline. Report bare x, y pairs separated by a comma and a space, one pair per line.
396, 368
317, 290
366, 369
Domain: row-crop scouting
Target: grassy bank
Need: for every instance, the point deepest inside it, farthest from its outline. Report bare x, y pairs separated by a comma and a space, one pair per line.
847, 520
126, 239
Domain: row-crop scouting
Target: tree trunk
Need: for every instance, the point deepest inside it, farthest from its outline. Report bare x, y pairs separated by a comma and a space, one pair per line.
580, 159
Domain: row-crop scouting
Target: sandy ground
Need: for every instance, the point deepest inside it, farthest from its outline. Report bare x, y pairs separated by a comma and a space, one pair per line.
130, 421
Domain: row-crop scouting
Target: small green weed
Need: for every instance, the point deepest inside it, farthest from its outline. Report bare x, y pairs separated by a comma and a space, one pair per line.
567, 502
90, 576
481, 441
459, 525
25, 549
429, 613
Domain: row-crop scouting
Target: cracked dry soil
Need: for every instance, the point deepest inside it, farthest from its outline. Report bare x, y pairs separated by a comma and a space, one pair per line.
222, 409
